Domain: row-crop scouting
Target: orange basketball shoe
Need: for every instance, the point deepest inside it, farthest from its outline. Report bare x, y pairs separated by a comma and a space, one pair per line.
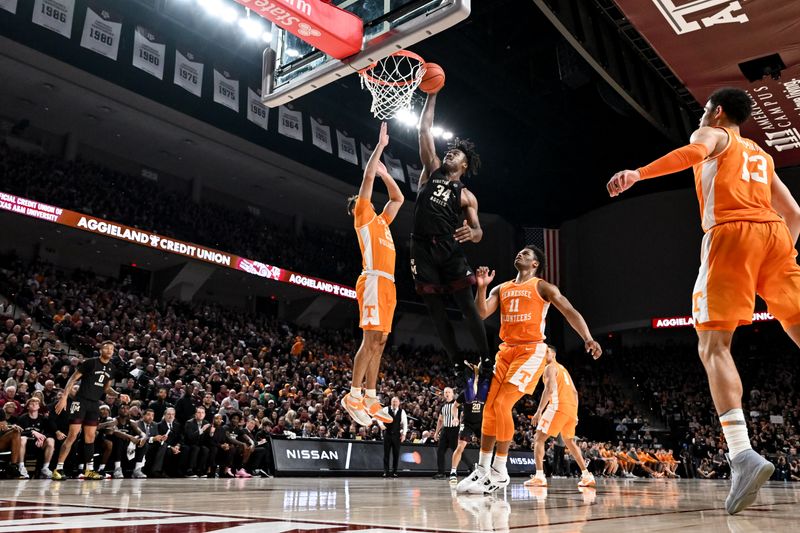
375, 410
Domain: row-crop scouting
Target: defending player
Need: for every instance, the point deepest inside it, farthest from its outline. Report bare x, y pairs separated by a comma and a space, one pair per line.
438, 263
751, 223
523, 304
95, 375
375, 287
471, 421
557, 413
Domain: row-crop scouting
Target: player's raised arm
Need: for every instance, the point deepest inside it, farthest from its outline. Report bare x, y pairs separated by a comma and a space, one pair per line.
427, 148
396, 197
786, 206
705, 142
551, 294
486, 305
470, 230
365, 192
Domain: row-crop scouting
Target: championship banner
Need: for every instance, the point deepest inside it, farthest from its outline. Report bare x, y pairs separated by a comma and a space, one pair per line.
704, 42
226, 90
290, 123
148, 52
688, 322
413, 177
55, 15
9, 5
101, 31
347, 147
366, 153
99, 226
395, 167
321, 136
257, 113
188, 72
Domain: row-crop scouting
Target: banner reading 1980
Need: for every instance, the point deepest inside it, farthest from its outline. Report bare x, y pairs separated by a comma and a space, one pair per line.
73, 219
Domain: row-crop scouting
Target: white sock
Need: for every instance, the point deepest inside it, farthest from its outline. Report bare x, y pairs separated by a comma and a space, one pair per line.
499, 464
735, 429
540, 474
485, 459
452, 471
584, 472
117, 465
90, 465
138, 466
60, 466
371, 393
355, 392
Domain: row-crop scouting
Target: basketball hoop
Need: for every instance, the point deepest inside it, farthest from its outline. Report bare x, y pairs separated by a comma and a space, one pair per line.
392, 81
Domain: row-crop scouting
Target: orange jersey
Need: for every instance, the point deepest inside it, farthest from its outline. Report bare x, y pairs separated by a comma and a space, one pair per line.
736, 184
564, 397
374, 238
522, 312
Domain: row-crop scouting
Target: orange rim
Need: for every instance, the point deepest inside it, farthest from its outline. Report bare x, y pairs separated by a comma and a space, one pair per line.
365, 72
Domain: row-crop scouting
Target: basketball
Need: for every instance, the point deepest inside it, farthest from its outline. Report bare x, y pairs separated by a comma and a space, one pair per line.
433, 80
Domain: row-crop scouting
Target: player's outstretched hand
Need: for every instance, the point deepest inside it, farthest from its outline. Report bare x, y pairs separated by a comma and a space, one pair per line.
483, 276
622, 181
593, 348
465, 233
383, 137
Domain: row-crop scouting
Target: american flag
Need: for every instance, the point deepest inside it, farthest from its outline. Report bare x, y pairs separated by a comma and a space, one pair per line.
547, 241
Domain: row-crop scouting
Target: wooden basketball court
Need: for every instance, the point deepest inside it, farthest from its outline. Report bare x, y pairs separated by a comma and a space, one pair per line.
377, 505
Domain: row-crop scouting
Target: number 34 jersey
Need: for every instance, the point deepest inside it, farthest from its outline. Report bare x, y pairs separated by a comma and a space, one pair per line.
438, 208
522, 312
736, 185
94, 376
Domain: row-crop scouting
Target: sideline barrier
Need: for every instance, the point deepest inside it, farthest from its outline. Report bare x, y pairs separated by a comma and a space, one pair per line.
331, 456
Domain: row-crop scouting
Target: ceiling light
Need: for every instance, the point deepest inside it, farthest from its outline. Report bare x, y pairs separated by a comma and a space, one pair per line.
228, 14
266, 37
252, 27
447, 135
437, 131
406, 116
291, 52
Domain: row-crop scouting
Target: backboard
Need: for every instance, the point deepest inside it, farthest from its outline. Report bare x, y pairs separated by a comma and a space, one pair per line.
292, 67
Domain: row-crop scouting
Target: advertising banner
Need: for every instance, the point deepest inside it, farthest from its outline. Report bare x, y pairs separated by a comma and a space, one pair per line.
99, 226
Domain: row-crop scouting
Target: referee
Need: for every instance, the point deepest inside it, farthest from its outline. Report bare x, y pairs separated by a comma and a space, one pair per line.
446, 430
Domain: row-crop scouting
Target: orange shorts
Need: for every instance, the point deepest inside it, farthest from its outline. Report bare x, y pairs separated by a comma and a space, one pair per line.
377, 298
738, 261
521, 365
554, 422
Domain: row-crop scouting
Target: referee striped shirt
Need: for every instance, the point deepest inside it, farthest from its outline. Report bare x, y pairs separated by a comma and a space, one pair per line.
449, 414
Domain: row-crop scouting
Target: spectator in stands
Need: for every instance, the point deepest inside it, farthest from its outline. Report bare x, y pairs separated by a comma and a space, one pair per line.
38, 436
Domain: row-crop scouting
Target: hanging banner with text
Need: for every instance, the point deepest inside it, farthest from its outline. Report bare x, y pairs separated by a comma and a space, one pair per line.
413, 177
54, 15
101, 31
290, 123
395, 167
366, 153
321, 135
9, 5
188, 72
257, 113
226, 89
705, 42
99, 226
347, 147
148, 52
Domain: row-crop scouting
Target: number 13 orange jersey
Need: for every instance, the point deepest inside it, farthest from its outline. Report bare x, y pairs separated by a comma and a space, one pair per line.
522, 312
736, 184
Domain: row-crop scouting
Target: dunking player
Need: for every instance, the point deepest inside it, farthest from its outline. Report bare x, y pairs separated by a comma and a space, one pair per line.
751, 223
560, 398
375, 287
471, 403
95, 375
438, 263
519, 364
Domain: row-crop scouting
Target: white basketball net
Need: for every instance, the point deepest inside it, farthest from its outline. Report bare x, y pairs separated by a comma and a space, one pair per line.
392, 81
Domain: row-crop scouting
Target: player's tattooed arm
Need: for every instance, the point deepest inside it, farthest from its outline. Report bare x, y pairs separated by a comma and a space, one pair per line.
470, 230
427, 148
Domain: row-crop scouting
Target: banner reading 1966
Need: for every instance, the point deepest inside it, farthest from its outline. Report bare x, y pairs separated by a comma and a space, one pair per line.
73, 219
